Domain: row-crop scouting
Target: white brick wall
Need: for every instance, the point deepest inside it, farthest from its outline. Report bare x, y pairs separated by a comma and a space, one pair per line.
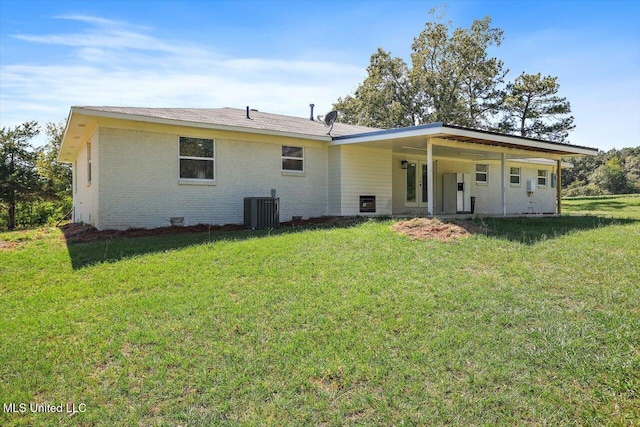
85, 197
135, 179
140, 186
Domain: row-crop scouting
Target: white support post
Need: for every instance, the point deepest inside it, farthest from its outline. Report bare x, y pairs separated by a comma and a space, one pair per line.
503, 182
559, 185
430, 177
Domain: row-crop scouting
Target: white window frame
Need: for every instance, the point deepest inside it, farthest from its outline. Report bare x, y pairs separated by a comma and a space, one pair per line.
512, 175
544, 176
283, 158
486, 174
213, 159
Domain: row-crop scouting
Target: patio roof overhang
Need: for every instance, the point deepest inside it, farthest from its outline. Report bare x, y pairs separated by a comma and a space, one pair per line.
457, 141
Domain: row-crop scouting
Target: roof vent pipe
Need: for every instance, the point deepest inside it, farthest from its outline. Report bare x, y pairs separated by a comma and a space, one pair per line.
248, 117
311, 115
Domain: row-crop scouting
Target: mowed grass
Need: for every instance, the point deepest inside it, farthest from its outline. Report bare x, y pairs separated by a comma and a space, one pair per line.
614, 206
537, 323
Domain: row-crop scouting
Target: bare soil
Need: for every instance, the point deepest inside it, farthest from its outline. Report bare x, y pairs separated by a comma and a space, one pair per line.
5, 245
432, 228
88, 233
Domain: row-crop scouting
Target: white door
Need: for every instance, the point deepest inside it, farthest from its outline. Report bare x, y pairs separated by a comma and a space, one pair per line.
416, 194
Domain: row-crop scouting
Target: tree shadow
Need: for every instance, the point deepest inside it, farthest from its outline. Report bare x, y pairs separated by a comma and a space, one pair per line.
532, 230
110, 247
88, 246
599, 205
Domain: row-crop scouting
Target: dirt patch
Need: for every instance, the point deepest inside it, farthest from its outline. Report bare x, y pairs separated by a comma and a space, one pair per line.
7, 246
328, 221
433, 228
88, 233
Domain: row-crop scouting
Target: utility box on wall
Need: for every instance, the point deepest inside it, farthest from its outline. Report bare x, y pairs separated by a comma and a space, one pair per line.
531, 186
456, 193
367, 204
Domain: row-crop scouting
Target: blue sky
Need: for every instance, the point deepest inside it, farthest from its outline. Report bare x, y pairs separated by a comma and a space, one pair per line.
280, 56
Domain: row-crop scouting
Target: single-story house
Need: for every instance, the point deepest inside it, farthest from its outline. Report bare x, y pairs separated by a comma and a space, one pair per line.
150, 167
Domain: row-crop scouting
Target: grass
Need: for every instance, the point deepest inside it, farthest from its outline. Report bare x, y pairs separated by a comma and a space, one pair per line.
537, 323
614, 206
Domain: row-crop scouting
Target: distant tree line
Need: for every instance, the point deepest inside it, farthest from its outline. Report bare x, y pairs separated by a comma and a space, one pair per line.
611, 172
35, 188
453, 79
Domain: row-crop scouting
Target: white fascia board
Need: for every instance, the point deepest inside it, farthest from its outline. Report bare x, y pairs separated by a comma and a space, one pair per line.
454, 132
64, 137
529, 143
175, 122
546, 162
384, 136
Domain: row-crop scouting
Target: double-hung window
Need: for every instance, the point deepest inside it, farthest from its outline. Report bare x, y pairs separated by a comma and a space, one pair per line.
482, 173
542, 178
514, 176
292, 159
197, 158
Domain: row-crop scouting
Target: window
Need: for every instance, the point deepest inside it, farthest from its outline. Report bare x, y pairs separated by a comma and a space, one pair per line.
196, 158
542, 178
292, 159
514, 176
89, 162
482, 173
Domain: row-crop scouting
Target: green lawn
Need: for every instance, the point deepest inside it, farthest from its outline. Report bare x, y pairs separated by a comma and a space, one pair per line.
615, 206
537, 323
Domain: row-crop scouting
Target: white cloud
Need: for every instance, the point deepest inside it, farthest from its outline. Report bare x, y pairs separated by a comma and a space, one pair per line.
114, 63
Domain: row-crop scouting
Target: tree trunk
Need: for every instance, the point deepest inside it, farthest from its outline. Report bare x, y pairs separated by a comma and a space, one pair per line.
12, 215
12, 195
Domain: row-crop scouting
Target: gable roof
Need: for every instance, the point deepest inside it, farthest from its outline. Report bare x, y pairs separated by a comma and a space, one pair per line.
231, 119
235, 118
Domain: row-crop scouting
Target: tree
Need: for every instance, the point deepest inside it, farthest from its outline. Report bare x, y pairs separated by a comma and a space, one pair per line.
532, 109
452, 80
611, 176
56, 175
455, 79
384, 99
19, 180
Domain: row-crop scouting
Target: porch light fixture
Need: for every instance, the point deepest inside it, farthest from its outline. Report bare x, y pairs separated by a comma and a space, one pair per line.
404, 164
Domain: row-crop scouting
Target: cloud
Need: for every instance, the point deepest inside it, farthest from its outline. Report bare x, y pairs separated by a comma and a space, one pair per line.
107, 34
115, 63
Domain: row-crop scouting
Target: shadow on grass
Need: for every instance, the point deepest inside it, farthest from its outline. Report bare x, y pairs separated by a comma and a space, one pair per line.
525, 230
602, 205
94, 247
531, 230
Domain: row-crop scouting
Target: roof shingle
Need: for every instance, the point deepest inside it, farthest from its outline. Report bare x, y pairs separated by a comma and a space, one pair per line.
235, 117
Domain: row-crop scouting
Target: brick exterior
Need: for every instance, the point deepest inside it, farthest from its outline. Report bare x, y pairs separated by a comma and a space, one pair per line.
139, 183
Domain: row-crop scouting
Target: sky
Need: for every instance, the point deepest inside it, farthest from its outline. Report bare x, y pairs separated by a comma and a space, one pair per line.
280, 56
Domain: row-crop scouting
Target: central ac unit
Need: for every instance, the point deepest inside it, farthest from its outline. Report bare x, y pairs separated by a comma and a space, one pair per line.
261, 212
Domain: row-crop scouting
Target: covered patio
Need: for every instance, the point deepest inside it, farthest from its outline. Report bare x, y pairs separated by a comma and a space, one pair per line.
440, 169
